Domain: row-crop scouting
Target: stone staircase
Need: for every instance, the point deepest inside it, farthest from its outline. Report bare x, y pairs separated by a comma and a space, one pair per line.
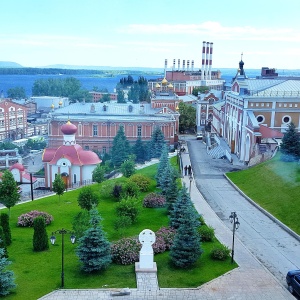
216, 152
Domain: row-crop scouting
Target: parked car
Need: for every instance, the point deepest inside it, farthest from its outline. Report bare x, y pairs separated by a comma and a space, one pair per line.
199, 136
293, 281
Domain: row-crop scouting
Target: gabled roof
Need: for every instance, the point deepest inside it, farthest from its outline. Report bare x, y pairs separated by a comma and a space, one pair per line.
267, 132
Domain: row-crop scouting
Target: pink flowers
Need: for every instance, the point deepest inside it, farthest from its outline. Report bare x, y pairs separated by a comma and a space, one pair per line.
154, 200
26, 220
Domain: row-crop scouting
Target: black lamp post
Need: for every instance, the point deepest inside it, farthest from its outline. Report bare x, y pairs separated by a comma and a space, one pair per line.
236, 224
191, 179
53, 239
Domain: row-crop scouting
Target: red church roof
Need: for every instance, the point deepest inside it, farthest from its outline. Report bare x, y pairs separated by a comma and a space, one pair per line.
18, 166
75, 154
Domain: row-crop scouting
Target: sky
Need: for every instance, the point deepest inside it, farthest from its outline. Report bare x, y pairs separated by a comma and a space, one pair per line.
143, 33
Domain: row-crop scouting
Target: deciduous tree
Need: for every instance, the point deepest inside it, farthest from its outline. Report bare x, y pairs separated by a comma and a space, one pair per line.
87, 199
58, 186
98, 174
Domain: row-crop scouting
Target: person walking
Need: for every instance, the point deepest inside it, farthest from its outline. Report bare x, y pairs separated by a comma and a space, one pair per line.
185, 170
190, 169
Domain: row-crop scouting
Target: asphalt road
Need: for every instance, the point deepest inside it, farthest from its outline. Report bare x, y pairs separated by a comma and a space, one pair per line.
277, 250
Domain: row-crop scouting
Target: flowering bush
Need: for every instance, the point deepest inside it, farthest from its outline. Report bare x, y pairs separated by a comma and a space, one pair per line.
167, 234
159, 246
142, 181
154, 200
126, 251
26, 220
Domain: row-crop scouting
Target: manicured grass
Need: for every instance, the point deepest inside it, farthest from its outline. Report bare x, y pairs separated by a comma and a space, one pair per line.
275, 186
38, 273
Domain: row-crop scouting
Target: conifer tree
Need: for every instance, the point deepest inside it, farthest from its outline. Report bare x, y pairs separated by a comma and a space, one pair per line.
171, 190
121, 149
58, 186
2, 242
139, 149
290, 146
9, 195
186, 248
162, 166
40, 236
94, 249
157, 142
183, 203
7, 281
4, 222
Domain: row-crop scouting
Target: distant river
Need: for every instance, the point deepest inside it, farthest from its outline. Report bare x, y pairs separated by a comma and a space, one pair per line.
87, 82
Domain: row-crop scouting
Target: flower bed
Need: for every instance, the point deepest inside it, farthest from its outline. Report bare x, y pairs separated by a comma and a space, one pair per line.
26, 220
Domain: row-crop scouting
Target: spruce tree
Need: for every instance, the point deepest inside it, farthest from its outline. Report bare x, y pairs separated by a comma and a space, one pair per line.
290, 146
9, 195
171, 190
157, 142
121, 149
94, 249
183, 203
139, 149
162, 166
58, 186
40, 236
4, 222
186, 248
2, 242
7, 281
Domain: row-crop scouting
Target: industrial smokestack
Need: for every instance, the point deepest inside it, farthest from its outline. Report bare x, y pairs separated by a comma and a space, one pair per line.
173, 64
192, 65
206, 60
188, 65
210, 59
178, 64
203, 60
183, 65
166, 64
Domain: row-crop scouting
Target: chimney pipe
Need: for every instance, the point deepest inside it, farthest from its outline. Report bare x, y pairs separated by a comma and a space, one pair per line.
166, 64
183, 65
173, 64
192, 65
188, 65
206, 60
203, 60
210, 59
178, 64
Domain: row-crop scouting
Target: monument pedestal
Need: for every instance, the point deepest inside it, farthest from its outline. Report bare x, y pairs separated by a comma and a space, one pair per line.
146, 279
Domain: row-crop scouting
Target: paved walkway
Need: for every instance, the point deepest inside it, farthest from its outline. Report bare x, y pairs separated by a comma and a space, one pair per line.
250, 281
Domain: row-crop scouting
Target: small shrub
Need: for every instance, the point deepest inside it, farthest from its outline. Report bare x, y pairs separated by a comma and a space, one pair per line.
130, 189
122, 222
168, 234
117, 191
207, 233
26, 220
201, 220
4, 222
128, 207
220, 252
40, 237
126, 251
87, 198
143, 182
106, 188
154, 200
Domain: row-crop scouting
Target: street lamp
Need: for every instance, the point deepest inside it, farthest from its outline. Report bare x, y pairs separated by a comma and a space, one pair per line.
236, 224
191, 179
53, 239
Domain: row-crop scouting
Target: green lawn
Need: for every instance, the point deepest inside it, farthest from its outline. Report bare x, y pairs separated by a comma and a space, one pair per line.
38, 273
275, 186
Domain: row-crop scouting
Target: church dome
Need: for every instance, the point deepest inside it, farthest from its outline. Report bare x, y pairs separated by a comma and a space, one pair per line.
157, 85
52, 106
68, 128
60, 103
164, 81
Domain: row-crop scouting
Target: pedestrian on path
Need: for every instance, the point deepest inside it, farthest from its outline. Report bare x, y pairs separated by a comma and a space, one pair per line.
190, 169
185, 170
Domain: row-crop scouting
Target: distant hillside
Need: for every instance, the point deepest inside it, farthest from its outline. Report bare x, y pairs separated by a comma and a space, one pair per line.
9, 64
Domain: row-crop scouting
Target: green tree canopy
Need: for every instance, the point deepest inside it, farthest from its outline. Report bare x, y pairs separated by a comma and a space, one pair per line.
98, 174
58, 186
87, 199
187, 119
139, 150
121, 97
157, 142
128, 166
16, 93
9, 192
201, 90
40, 237
290, 146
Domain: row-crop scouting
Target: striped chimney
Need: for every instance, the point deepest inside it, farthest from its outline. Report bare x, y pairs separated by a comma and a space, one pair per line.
183, 65
166, 64
206, 60
178, 64
188, 65
173, 64
203, 61
210, 59
192, 65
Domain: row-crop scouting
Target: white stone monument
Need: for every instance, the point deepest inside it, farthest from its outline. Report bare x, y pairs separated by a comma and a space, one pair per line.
147, 239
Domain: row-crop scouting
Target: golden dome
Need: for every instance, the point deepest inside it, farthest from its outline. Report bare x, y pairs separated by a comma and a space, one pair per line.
52, 105
177, 107
170, 85
60, 103
164, 81
157, 85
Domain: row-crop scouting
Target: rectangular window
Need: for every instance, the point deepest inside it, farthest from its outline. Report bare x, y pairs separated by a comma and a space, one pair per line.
139, 130
95, 130
104, 150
